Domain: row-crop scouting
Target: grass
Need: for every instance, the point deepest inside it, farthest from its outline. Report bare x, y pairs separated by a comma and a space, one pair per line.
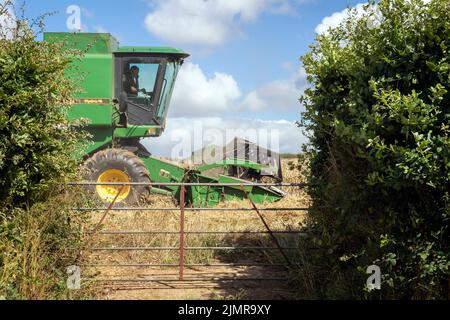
240, 295
36, 248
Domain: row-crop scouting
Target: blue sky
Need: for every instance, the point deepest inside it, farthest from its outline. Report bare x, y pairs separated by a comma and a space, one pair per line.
244, 70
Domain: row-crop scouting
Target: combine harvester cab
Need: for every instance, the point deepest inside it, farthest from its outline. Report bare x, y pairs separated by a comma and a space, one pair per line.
125, 97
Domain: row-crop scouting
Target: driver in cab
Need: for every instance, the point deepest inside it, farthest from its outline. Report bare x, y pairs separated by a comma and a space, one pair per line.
131, 85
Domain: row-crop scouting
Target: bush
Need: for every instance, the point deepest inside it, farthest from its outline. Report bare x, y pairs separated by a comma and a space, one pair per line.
37, 141
378, 119
36, 138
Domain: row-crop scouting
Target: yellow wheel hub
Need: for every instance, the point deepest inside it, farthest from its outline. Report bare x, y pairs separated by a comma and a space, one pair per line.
108, 193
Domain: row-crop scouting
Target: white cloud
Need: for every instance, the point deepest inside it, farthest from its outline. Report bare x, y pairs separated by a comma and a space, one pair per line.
336, 18
197, 95
254, 102
206, 22
280, 95
7, 19
185, 135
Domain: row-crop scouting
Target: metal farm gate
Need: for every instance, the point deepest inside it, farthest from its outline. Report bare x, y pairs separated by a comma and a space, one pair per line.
182, 270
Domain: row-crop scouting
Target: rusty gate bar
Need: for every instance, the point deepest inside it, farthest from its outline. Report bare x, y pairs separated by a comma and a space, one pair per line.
98, 225
195, 232
179, 184
186, 265
185, 248
201, 279
182, 246
188, 209
267, 227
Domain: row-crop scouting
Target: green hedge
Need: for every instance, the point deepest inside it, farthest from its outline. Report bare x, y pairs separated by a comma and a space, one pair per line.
36, 143
36, 139
378, 119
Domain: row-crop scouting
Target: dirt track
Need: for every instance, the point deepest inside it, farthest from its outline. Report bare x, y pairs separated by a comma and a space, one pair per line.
198, 290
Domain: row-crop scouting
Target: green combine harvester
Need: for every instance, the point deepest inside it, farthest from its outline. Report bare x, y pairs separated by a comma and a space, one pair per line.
125, 96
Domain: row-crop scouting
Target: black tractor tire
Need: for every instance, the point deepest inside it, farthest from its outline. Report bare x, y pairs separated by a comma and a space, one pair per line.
125, 162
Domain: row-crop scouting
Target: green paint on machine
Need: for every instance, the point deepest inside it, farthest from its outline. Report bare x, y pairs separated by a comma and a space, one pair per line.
120, 112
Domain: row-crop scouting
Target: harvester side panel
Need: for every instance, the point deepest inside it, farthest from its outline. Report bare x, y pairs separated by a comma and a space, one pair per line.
164, 171
94, 73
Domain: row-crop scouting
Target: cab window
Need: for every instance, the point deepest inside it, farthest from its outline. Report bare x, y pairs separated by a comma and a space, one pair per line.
139, 81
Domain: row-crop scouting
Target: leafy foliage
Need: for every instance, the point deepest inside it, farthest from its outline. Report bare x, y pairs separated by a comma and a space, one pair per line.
36, 138
36, 146
378, 118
